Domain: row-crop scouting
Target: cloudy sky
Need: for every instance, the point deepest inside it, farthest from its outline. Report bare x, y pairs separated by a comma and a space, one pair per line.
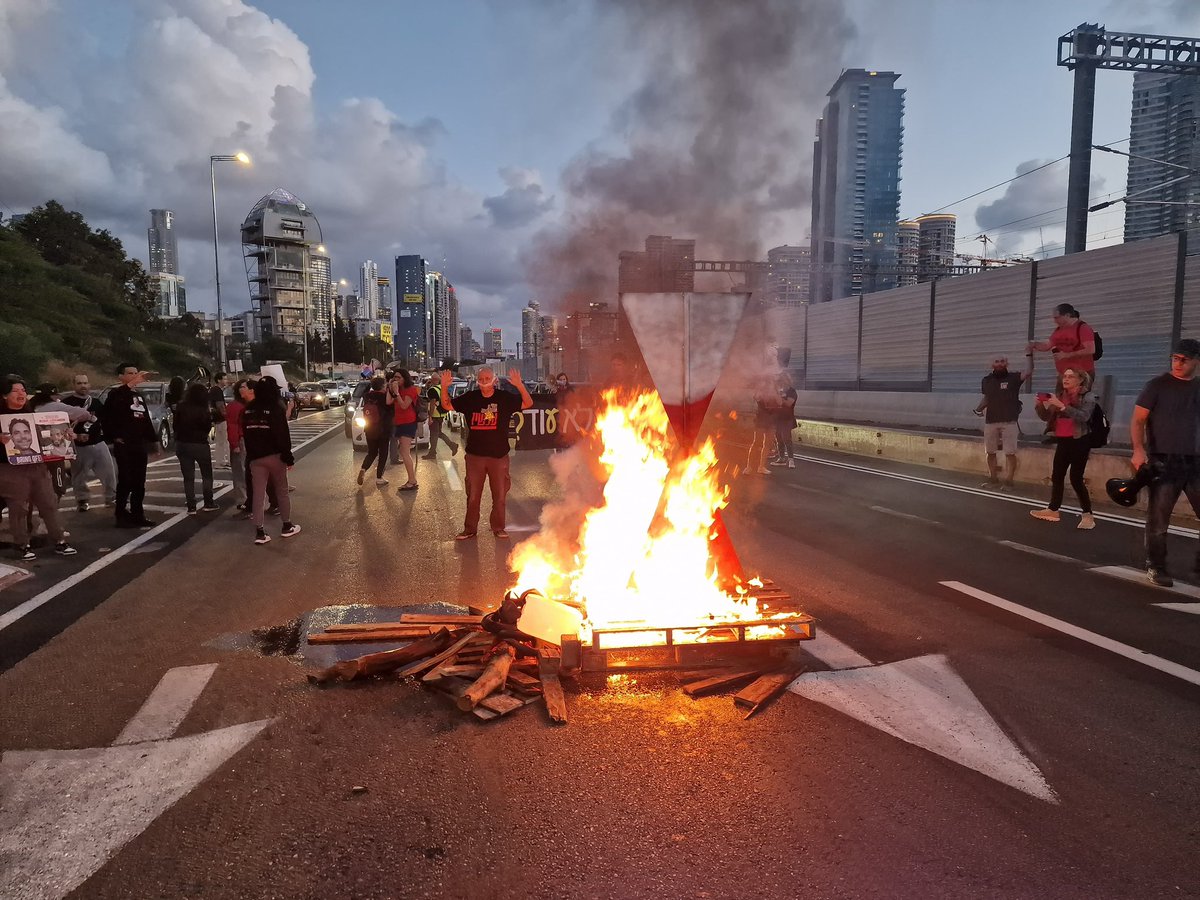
520, 144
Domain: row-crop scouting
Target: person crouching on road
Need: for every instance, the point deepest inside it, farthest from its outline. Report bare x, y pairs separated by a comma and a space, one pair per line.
269, 450
1069, 414
376, 412
26, 484
193, 422
1001, 407
486, 413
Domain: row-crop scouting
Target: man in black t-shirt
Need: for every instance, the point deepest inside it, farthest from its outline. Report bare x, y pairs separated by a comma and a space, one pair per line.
1165, 433
486, 412
1000, 407
92, 456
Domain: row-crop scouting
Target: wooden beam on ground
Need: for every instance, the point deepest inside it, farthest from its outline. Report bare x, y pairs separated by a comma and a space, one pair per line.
386, 661
719, 682
423, 665
758, 694
374, 626
491, 679
362, 637
438, 619
549, 662
501, 703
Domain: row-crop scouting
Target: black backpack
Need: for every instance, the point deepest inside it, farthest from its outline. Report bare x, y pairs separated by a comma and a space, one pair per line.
1099, 351
1098, 426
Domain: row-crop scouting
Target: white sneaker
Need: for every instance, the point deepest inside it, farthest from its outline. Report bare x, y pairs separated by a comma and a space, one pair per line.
791, 463
763, 470
1086, 522
381, 481
1046, 515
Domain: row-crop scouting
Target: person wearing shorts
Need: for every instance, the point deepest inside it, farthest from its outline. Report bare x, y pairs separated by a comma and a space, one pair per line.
1001, 407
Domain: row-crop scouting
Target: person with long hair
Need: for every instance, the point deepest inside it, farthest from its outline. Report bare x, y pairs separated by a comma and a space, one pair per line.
376, 411
176, 388
237, 450
1069, 414
405, 396
193, 422
269, 450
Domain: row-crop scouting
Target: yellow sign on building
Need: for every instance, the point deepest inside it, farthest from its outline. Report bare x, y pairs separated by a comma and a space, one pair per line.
414, 298
385, 333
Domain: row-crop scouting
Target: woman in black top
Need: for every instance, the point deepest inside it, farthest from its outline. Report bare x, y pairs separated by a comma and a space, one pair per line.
193, 422
269, 451
376, 412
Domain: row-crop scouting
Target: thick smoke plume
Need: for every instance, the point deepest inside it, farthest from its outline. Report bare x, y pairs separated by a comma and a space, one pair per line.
717, 137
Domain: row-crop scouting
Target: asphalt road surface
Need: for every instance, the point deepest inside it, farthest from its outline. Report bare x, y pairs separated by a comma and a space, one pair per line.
990, 709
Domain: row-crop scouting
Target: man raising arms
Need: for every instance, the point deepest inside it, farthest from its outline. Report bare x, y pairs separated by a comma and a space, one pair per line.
486, 412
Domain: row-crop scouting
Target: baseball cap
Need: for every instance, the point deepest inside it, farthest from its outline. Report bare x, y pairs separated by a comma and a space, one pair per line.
1188, 347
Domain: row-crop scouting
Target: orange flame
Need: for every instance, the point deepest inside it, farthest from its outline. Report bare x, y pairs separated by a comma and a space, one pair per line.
641, 557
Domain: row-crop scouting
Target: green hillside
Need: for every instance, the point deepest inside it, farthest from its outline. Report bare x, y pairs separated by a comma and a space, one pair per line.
71, 298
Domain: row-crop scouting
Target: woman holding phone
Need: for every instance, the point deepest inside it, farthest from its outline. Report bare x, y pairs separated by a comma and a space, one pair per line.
1069, 414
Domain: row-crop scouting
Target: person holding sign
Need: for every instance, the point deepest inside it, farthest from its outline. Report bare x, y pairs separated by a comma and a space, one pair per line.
24, 478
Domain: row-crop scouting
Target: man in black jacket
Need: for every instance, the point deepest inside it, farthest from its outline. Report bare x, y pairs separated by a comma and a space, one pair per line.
127, 426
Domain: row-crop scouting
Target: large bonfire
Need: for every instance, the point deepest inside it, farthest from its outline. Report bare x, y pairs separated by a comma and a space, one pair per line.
640, 552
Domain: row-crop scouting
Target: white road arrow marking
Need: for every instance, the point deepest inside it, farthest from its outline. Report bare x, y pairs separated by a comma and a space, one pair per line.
921, 701
65, 813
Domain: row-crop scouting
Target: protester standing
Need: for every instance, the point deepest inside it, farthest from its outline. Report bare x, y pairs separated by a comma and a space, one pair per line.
92, 456
269, 450
566, 405
193, 421
28, 484
437, 416
766, 414
1001, 408
376, 411
486, 413
405, 397
127, 426
220, 426
1165, 433
785, 421
1073, 342
1069, 413
237, 450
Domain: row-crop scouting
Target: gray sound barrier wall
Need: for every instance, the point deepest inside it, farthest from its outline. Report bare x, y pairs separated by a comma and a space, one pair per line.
975, 319
1191, 298
1127, 293
787, 327
832, 359
895, 340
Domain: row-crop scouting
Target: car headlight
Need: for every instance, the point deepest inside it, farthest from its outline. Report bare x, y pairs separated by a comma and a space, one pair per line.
360, 422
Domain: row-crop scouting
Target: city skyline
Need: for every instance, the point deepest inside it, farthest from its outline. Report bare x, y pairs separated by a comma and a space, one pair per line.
482, 183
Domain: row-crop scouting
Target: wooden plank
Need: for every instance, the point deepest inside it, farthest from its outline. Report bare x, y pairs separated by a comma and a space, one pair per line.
450, 684
549, 662
491, 679
374, 626
423, 665
502, 703
471, 672
362, 637
386, 661
761, 692
719, 682
523, 678
438, 619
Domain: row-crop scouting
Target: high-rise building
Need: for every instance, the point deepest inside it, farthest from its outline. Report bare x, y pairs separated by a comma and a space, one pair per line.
493, 342
788, 270
466, 341
170, 296
438, 341
1164, 135
936, 250
164, 249
409, 332
908, 250
531, 322
321, 283
454, 321
856, 185
383, 310
280, 235
667, 265
368, 288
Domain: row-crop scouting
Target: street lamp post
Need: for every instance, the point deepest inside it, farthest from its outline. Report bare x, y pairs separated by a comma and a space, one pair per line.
212, 175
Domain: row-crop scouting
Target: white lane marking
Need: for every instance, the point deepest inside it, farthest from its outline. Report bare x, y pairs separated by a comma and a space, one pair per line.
1138, 576
1008, 498
19, 612
924, 702
833, 652
1193, 608
168, 704
903, 515
1090, 637
452, 475
521, 529
68, 812
1038, 551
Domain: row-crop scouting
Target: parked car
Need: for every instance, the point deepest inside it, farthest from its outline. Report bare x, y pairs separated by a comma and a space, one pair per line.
337, 392
311, 395
155, 393
356, 424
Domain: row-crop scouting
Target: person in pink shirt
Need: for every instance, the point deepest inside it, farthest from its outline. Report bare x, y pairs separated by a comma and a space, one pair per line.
1073, 342
1069, 415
